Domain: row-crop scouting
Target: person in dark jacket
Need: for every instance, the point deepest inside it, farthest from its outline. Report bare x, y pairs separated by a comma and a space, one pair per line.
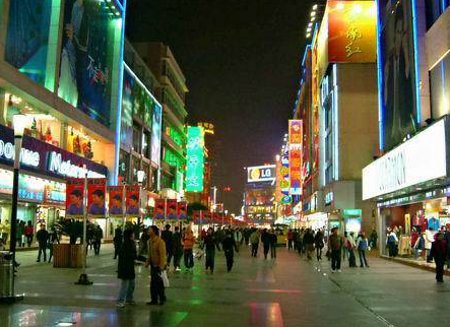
265, 239
117, 240
439, 253
319, 244
209, 244
229, 246
167, 237
98, 236
125, 269
52, 239
308, 241
177, 248
42, 238
273, 244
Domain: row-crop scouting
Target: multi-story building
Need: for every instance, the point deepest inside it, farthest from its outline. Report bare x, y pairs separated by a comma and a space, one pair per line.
339, 114
409, 183
172, 95
60, 66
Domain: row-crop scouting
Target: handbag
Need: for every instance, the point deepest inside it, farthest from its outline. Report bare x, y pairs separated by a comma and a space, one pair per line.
165, 278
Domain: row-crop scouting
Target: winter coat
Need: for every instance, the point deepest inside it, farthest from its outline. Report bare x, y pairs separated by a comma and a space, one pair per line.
127, 255
188, 241
157, 256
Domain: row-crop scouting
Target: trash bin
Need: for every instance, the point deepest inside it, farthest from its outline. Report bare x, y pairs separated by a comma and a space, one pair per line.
6, 274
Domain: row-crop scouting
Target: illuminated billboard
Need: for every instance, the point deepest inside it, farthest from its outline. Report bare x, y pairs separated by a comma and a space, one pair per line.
195, 159
352, 29
257, 174
397, 73
295, 156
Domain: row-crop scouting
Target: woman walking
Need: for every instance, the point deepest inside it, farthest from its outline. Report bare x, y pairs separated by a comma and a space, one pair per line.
362, 245
125, 269
188, 247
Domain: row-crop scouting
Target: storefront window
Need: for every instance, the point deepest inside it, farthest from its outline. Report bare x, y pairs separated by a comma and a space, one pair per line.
135, 169
41, 126
32, 38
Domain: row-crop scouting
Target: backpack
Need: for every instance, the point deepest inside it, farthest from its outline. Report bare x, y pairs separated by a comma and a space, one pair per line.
391, 239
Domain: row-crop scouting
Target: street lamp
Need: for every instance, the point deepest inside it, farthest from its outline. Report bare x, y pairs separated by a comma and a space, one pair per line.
20, 122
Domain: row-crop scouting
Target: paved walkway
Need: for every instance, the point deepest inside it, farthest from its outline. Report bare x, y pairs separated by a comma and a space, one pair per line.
258, 293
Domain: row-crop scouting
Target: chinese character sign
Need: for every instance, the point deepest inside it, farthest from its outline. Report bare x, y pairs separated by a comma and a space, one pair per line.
352, 31
295, 156
195, 159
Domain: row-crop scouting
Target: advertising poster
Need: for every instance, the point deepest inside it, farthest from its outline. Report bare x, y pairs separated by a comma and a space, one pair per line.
126, 128
97, 197
116, 204
352, 31
182, 210
171, 209
27, 39
75, 198
156, 134
86, 57
195, 159
398, 78
259, 174
133, 198
159, 212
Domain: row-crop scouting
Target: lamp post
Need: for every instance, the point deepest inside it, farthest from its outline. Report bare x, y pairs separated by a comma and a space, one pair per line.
19, 122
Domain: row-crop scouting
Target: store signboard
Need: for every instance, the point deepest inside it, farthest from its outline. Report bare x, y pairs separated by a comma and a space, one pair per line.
44, 158
195, 159
422, 158
295, 156
257, 174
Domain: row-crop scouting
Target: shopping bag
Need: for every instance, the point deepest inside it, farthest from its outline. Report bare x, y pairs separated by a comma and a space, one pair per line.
165, 278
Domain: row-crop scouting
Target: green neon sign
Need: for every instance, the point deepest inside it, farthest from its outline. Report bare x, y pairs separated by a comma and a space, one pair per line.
195, 159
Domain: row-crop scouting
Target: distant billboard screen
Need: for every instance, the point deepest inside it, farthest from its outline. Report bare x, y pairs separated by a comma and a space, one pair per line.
195, 159
259, 174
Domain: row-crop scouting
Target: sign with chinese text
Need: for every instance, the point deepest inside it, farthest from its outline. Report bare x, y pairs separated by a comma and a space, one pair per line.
295, 156
195, 159
352, 29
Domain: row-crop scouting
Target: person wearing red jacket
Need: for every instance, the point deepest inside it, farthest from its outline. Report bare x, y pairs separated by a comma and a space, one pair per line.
439, 253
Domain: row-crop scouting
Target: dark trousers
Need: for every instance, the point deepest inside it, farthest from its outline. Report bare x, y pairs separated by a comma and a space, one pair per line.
351, 258
42, 249
156, 285
273, 251
169, 257
300, 248
255, 249
392, 247
50, 247
209, 259
229, 255
29, 240
177, 258
319, 253
439, 269
335, 259
97, 245
189, 258
266, 250
362, 258
290, 242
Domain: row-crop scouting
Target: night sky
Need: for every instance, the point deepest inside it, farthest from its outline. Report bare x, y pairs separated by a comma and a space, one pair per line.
241, 59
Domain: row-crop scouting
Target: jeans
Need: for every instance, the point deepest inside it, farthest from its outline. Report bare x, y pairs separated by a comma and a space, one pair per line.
126, 290
97, 245
188, 258
255, 249
177, 258
266, 250
392, 249
351, 258
362, 258
42, 249
156, 285
29, 240
319, 253
169, 257
335, 259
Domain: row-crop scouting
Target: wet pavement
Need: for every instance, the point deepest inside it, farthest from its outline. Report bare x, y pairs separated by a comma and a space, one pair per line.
258, 293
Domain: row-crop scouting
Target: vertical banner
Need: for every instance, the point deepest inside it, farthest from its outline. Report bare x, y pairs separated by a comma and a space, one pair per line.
74, 198
96, 197
196, 217
195, 159
159, 209
182, 210
171, 209
115, 201
295, 157
132, 200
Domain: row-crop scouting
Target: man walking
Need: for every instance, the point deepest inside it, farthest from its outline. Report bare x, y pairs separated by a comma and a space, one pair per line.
98, 236
254, 240
229, 245
335, 244
42, 238
167, 237
157, 261
266, 240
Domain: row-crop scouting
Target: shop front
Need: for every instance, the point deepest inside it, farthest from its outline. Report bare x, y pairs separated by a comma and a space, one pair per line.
410, 185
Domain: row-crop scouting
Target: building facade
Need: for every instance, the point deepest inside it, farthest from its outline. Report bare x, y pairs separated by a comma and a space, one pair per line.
171, 93
409, 182
60, 66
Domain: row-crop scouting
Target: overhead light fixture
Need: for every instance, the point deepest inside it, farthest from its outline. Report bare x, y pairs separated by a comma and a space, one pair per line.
313, 18
308, 30
314, 7
308, 35
310, 24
